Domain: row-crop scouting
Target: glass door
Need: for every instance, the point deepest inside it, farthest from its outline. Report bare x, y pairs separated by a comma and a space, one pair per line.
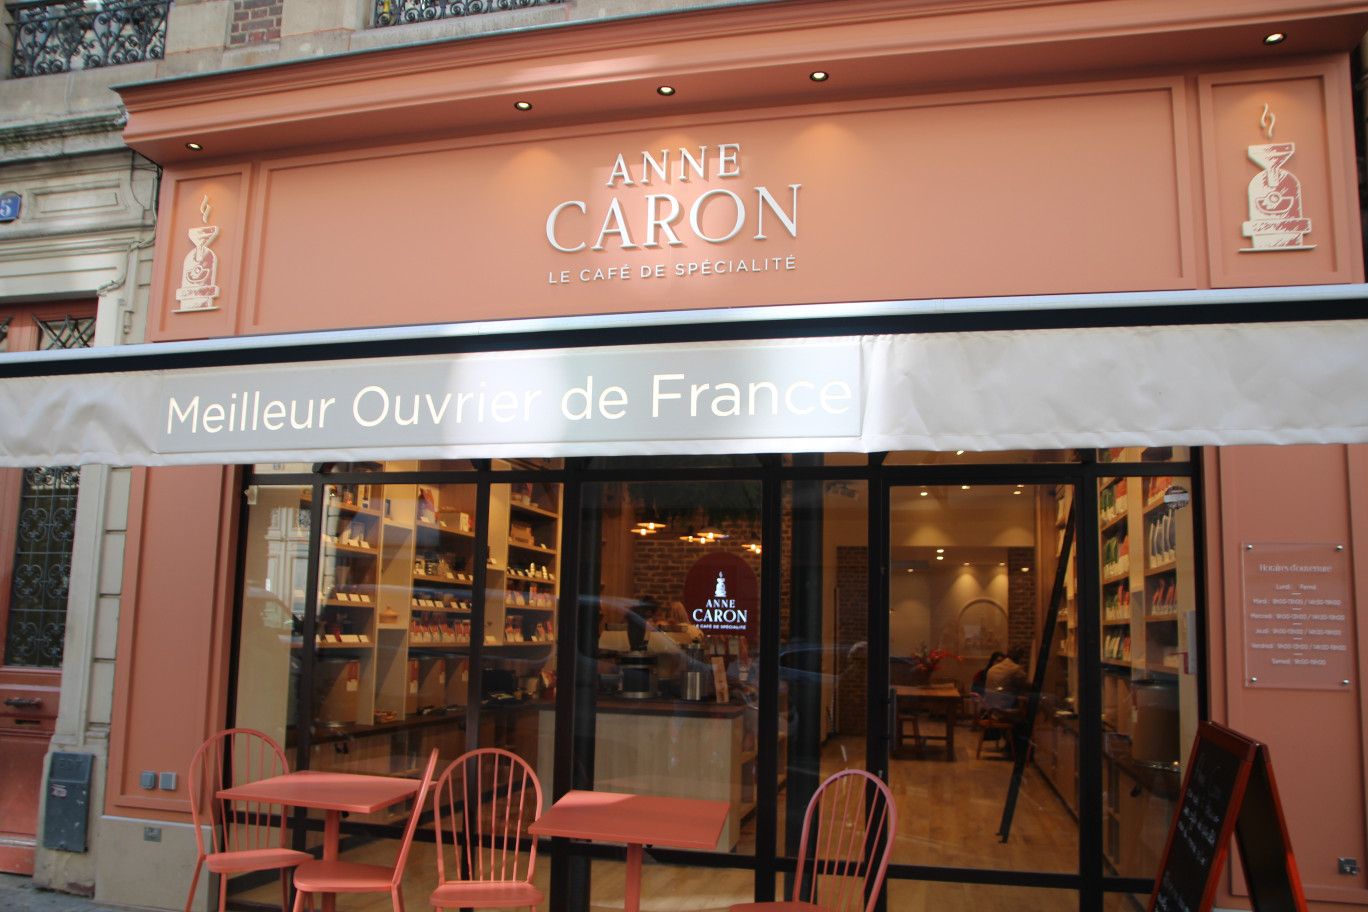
981, 715
667, 673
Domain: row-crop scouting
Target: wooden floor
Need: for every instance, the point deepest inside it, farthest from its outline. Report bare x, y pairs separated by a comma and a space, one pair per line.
949, 816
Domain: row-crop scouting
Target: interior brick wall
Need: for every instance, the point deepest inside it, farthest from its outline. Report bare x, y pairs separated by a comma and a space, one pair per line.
852, 611
1021, 599
660, 562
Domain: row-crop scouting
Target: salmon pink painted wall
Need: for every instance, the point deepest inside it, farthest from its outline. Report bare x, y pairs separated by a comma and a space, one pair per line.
174, 632
1301, 494
1120, 185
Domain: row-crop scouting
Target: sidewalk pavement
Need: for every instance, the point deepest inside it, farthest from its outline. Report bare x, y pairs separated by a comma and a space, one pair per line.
18, 894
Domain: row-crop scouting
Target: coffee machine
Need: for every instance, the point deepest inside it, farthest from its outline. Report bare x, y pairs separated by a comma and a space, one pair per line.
638, 665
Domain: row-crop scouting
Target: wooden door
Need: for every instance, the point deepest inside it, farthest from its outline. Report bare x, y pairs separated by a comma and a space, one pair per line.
37, 525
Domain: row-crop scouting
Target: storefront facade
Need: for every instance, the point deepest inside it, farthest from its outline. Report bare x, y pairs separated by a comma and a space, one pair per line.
439, 331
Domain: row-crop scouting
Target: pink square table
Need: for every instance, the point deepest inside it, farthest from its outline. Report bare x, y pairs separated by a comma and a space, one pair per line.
331, 793
637, 821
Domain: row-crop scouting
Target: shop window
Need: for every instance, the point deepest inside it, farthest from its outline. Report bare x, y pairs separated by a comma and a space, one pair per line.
1149, 695
388, 646
673, 602
434, 612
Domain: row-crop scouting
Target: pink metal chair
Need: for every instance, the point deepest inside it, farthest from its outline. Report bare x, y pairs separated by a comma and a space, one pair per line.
848, 817
499, 797
353, 877
246, 836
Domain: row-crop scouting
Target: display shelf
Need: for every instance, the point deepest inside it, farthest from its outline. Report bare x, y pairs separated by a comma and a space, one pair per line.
442, 529
335, 602
1108, 525
533, 509
442, 609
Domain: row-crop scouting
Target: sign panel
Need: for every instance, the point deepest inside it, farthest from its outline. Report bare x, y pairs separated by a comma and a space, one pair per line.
931, 391
1228, 790
722, 596
1298, 617
520, 398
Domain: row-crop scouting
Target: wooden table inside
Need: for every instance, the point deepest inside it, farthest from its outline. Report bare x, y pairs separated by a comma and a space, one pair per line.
944, 699
637, 821
331, 793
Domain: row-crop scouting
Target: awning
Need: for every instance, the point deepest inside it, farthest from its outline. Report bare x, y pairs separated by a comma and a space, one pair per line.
1210, 384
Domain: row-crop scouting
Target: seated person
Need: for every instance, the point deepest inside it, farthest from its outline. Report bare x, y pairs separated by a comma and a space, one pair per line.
677, 616
980, 679
1003, 685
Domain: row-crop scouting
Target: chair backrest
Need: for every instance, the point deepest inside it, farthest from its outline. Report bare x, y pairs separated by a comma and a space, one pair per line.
848, 831
419, 802
999, 699
236, 756
490, 797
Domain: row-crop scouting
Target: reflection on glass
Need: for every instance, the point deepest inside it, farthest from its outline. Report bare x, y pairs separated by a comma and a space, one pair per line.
275, 578
977, 457
712, 461
971, 570
675, 609
1149, 698
282, 468
1145, 454
518, 465
518, 680
916, 895
823, 654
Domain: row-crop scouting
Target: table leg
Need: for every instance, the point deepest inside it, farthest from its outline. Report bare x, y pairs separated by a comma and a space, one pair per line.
951, 719
332, 826
631, 899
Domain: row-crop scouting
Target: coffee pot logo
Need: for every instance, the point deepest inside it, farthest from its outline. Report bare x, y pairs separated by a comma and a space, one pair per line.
200, 270
1275, 198
720, 591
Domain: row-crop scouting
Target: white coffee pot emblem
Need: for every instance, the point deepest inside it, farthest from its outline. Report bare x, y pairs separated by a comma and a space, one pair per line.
1275, 198
199, 273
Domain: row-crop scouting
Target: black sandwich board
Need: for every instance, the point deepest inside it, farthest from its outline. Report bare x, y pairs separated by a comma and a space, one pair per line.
1228, 789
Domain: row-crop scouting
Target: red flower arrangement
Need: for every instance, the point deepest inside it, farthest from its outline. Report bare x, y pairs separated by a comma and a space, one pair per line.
929, 660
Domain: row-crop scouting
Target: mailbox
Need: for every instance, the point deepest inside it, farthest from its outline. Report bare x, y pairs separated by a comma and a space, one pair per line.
68, 802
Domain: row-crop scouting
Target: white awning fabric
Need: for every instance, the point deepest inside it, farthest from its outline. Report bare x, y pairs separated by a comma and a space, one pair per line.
1227, 384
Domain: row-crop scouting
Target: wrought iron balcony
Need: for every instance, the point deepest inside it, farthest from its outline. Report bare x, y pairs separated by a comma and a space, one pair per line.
56, 37
403, 12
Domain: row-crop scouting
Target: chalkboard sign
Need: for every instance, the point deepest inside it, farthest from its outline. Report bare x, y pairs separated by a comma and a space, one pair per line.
1228, 789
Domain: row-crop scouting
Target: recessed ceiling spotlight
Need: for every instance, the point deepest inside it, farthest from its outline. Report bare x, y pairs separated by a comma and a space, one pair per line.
959, 452
819, 75
964, 487
1275, 38
940, 550
665, 90
940, 557
523, 105
194, 147
925, 493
